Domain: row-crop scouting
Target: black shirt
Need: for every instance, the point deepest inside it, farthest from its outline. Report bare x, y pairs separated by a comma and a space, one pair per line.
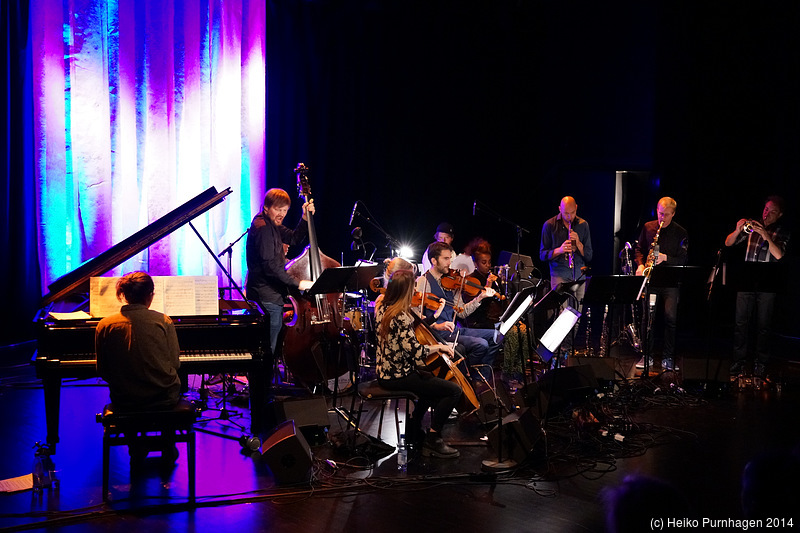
672, 241
267, 280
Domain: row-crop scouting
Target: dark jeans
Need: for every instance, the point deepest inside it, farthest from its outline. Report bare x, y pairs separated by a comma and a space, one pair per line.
670, 298
749, 305
275, 316
478, 346
434, 392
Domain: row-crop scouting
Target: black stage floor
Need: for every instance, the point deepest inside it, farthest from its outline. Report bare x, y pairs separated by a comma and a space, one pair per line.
697, 438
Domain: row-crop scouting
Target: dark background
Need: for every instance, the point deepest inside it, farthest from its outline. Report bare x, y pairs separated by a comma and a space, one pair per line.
419, 109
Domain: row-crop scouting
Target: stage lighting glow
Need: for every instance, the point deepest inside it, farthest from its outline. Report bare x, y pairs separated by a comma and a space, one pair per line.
406, 252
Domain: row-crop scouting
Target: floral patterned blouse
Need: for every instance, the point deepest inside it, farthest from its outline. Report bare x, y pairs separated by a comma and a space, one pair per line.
400, 353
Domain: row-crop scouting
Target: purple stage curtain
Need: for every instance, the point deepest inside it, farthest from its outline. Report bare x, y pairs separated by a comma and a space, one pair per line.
138, 106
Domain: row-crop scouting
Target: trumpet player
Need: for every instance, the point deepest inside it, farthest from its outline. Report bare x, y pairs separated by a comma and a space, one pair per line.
766, 242
671, 248
567, 247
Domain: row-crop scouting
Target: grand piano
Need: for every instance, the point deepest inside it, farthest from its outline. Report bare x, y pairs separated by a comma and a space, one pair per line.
231, 342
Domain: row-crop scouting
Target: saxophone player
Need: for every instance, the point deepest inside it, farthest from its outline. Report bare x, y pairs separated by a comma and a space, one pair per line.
671, 249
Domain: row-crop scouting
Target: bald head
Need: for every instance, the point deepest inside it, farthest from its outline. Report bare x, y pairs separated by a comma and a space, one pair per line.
568, 209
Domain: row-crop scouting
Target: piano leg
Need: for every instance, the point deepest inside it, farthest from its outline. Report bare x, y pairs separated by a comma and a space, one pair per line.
52, 408
256, 377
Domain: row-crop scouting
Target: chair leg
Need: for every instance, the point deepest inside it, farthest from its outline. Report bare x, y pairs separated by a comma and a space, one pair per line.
106, 467
190, 445
380, 422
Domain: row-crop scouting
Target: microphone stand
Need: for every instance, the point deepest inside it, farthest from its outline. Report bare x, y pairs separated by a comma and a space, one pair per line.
229, 251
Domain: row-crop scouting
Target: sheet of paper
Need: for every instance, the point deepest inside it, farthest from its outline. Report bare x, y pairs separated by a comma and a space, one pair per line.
75, 315
174, 296
16, 484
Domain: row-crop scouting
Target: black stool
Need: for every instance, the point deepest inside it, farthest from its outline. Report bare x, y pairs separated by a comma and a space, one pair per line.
149, 431
372, 391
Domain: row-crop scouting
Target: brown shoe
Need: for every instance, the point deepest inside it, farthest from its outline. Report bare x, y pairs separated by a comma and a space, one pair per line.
434, 446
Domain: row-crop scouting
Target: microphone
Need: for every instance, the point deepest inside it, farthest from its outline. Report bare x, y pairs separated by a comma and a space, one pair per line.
473, 207
355, 246
355, 205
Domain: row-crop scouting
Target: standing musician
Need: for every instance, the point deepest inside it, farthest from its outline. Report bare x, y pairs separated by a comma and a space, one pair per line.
401, 361
480, 345
766, 242
567, 247
267, 280
673, 243
444, 233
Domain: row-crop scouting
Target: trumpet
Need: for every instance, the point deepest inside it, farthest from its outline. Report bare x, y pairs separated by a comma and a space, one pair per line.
749, 226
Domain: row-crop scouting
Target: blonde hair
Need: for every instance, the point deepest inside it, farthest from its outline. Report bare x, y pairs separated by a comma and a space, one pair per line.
668, 202
397, 299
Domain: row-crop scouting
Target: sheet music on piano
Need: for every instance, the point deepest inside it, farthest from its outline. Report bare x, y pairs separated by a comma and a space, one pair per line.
174, 296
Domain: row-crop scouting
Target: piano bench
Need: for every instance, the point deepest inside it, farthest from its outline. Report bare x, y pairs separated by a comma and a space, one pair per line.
146, 431
372, 391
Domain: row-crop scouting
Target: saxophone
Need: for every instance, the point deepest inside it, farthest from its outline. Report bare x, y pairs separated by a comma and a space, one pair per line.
651, 255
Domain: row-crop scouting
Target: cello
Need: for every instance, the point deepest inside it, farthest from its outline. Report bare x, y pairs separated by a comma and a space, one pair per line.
316, 344
443, 367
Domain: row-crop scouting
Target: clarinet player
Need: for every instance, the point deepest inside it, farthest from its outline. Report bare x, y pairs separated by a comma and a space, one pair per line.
566, 247
671, 248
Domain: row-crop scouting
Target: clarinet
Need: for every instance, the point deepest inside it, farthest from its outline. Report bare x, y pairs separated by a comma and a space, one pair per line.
589, 349
570, 258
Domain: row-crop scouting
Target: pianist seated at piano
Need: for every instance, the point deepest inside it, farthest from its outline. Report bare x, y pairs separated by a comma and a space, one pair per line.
137, 350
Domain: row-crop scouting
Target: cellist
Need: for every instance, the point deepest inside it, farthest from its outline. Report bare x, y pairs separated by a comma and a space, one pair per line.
401, 360
480, 346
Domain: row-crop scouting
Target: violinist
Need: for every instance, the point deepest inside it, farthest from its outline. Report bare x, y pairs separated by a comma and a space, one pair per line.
567, 247
267, 280
401, 361
480, 346
490, 310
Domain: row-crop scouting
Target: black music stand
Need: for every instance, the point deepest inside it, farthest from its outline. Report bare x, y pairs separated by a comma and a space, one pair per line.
751, 276
667, 277
613, 290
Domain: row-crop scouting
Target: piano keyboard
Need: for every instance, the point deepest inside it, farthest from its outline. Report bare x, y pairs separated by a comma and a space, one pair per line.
192, 357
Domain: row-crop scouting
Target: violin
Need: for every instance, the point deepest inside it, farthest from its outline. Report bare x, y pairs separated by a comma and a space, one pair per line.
470, 284
431, 301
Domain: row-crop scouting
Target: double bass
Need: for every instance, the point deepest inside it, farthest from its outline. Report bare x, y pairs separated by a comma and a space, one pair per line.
316, 344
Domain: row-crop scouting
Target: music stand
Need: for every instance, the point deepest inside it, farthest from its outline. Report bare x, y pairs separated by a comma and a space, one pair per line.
557, 332
751, 276
667, 277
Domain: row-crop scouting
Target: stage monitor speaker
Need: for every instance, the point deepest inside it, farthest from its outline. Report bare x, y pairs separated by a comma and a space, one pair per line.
287, 454
521, 431
706, 369
562, 388
306, 412
489, 411
603, 367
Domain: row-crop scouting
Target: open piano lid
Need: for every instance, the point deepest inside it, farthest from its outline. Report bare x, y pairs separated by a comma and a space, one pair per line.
119, 253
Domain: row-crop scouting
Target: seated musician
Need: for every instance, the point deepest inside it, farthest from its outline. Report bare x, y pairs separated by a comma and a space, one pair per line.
267, 280
137, 353
480, 346
401, 360
489, 312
